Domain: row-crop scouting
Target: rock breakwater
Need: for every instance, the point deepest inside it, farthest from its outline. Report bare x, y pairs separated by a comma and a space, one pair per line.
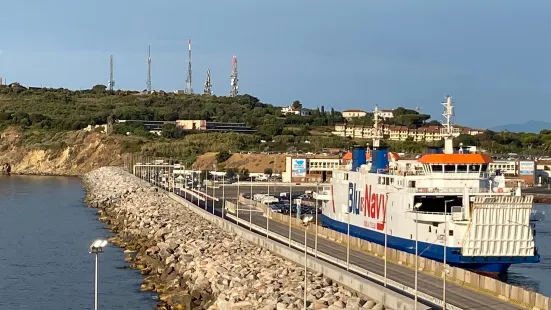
193, 264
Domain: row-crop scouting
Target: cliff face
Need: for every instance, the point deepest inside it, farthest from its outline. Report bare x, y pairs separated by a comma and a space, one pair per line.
72, 154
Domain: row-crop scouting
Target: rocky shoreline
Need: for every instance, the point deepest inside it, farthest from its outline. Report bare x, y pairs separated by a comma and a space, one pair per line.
193, 264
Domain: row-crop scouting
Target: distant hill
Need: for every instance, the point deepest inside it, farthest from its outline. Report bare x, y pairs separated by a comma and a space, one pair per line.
529, 126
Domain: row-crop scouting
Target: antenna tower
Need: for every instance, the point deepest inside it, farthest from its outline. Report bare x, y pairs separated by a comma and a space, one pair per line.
377, 136
148, 83
208, 85
111, 80
188, 89
448, 130
233, 80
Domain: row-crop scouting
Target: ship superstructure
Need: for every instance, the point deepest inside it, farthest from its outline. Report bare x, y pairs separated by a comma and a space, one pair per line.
450, 197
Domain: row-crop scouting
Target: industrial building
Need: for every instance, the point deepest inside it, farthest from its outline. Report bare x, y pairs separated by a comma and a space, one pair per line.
214, 126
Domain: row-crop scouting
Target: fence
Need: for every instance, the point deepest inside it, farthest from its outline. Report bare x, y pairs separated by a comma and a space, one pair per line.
465, 278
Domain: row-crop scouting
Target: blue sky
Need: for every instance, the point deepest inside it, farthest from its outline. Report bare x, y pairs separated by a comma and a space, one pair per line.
492, 56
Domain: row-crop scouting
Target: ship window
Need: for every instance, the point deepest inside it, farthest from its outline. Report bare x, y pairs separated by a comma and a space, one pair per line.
411, 236
449, 168
437, 168
484, 167
450, 232
461, 168
429, 229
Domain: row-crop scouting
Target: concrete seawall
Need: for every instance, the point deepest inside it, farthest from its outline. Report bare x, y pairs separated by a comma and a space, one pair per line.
193, 264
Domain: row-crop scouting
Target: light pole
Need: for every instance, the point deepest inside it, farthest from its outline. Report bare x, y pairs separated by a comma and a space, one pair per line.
223, 194
290, 207
445, 250
416, 208
316, 234
250, 208
348, 239
96, 248
213, 190
306, 219
268, 210
237, 211
386, 240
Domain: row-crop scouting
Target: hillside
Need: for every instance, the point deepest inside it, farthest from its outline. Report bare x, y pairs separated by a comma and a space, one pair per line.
529, 126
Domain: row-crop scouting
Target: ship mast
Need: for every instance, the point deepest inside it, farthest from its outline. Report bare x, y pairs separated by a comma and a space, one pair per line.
447, 131
377, 136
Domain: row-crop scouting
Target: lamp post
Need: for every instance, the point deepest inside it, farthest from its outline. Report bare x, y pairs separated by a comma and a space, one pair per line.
445, 250
238, 194
290, 208
223, 194
306, 219
250, 208
386, 242
96, 248
213, 191
416, 208
316, 235
268, 214
348, 240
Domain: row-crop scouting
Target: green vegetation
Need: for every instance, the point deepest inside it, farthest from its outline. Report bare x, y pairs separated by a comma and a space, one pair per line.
45, 116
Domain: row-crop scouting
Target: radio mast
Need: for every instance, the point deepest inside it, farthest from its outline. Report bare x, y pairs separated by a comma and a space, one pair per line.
234, 90
208, 85
148, 83
188, 89
111, 82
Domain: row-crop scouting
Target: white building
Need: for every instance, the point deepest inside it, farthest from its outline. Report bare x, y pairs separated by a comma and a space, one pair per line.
348, 114
386, 113
292, 110
309, 170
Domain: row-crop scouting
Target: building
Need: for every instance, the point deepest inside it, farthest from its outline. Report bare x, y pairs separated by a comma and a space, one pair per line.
309, 170
151, 126
292, 110
204, 125
348, 114
386, 114
523, 171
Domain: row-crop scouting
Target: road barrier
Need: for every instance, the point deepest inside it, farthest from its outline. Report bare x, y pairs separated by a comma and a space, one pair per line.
507, 292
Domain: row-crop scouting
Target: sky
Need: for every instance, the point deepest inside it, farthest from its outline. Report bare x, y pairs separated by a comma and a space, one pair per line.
491, 56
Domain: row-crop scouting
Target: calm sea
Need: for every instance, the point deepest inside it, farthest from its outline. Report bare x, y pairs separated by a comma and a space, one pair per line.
45, 232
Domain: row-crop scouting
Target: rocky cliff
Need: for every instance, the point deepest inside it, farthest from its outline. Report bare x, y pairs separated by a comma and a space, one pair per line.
68, 153
193, 264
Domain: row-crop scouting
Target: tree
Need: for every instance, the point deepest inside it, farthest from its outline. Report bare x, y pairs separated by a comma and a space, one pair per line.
244, 174
297, 105
222, 156
171, 131
230, 173
268, 171
99, 88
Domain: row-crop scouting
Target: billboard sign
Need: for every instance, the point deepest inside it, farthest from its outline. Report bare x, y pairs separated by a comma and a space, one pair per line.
298, 168
526, 168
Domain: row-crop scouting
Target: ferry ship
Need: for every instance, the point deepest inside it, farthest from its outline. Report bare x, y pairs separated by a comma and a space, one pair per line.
447, 203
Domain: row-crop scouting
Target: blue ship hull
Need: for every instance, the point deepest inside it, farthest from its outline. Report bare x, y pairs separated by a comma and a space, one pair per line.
487, 265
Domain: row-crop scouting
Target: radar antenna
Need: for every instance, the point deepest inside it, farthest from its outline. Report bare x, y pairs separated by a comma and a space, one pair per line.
377, 136
447, 133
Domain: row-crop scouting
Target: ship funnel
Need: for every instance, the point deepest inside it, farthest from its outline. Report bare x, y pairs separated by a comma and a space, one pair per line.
358, 157
379, 161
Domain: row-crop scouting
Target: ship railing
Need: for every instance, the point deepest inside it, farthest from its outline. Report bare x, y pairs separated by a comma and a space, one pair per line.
448, 190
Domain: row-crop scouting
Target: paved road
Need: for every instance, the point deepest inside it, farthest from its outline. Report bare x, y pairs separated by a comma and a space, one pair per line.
430, 285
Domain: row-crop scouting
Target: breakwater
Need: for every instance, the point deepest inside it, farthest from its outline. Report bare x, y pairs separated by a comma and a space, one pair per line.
193, 264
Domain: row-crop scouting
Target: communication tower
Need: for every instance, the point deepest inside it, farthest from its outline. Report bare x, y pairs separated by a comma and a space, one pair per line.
148, 83
188, 89
111, 79
208, 85
234, 90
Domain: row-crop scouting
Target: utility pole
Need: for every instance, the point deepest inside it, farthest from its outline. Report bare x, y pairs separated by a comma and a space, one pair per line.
148, 83
111, 79
188, 89
208, 85
233, 78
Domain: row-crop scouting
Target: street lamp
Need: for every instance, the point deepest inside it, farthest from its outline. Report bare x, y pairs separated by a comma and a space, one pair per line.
238, 194
96, 248
290, 208
445, 250
416, 208
316, 235
250, 207
223, 194
306, 219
